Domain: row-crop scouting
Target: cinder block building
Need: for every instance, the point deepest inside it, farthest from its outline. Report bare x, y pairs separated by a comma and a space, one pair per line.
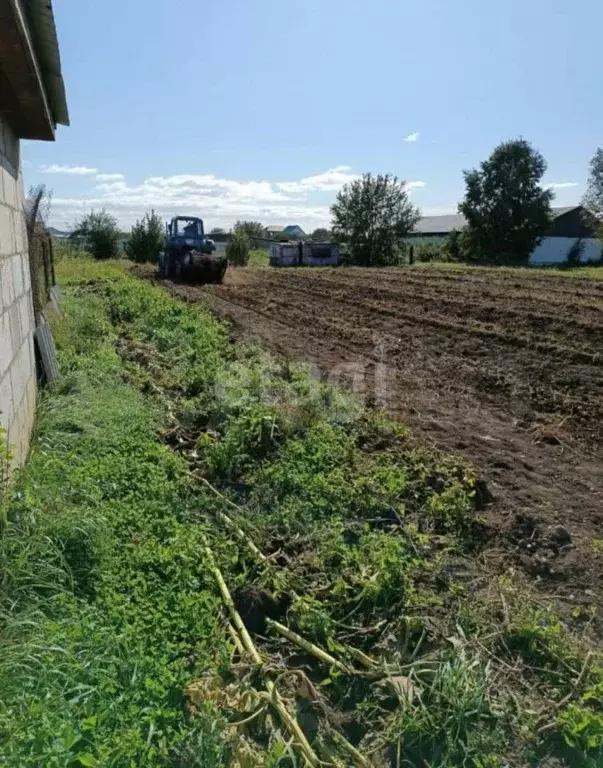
32, 103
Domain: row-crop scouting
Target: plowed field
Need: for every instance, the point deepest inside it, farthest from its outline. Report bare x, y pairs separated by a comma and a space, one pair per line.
504, 367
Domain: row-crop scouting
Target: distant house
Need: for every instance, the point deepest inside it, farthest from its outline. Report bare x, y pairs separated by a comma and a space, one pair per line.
294, 230
273, 230
568, 228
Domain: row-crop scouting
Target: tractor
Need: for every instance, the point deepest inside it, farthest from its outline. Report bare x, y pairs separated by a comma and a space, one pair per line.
189, 255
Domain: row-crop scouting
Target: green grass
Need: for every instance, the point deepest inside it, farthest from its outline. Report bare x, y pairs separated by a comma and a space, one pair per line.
585, 272
109, 612
258, 258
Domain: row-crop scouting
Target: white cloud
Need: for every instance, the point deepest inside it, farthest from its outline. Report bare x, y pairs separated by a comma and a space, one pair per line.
329, 181
71, 170
412, 137
218, 200
563, 185
177, 187
110, 177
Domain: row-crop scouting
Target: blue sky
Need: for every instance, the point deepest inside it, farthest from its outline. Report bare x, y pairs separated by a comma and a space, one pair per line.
263, 108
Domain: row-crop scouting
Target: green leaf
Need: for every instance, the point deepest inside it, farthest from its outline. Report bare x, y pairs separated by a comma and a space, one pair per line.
87, 760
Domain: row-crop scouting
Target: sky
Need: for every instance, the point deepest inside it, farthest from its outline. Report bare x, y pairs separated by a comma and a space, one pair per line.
263, 109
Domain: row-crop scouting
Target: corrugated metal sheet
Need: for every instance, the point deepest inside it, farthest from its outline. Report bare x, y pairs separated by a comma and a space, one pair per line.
439, 224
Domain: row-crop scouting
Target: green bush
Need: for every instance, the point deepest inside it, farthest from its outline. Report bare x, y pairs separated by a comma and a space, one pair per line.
249, 229
455, 248
425, 252
237, 250
146, 239
101, 233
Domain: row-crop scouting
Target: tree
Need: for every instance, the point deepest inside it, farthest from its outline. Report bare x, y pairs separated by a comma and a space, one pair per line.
146, 239
593, 197
321, 234
372, 216
237, 250
507, 211
101, 233
249, 228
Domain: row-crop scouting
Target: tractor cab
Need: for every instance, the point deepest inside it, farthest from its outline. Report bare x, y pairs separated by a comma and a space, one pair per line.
186, 231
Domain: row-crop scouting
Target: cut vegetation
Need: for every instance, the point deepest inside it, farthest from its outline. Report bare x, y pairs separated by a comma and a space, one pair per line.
503, 366
212, 559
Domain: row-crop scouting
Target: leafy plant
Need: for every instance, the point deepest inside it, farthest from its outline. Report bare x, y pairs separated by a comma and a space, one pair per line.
146, 239
373, 216
426, 252
237, 250
593, 197
249, 229
507, 211
100, 233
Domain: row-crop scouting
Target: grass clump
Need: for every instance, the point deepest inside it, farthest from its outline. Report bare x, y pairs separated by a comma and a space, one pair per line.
115, 636
105, 608
258, 258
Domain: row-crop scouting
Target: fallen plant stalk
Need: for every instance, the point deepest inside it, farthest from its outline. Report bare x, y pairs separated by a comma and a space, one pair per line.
236, 639
274, 697
223, 517
351, 749
361, 657
309, 647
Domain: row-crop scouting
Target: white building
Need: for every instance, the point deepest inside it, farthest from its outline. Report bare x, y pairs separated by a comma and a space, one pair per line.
568, 229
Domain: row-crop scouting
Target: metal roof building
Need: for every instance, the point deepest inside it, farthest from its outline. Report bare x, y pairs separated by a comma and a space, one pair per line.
444, 225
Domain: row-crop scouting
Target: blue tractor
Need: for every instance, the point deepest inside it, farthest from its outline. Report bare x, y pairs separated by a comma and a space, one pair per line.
189, 255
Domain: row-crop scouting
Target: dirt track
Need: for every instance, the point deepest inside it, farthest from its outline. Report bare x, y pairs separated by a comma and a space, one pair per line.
506, 370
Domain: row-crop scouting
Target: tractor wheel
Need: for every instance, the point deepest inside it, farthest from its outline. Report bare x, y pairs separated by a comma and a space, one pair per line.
161, 267
170, 269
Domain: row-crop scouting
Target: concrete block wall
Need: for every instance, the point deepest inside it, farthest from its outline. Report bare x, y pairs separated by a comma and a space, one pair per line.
17, 362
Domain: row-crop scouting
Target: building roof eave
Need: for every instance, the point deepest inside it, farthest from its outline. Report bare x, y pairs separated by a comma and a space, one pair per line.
32, 92
41, 19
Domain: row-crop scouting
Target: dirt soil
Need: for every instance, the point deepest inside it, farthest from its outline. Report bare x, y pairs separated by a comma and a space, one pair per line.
506, 370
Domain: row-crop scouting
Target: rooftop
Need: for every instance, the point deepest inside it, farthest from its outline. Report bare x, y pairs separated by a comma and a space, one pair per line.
32, 91
440, 225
